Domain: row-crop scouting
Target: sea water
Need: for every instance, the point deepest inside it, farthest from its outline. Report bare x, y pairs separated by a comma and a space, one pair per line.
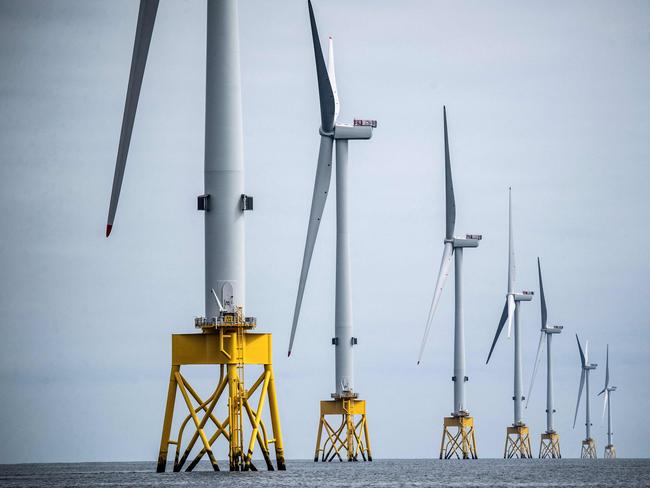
379, 473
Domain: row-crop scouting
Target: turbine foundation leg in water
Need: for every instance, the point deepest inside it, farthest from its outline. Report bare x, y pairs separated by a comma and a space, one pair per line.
588, 450
549, 446
458, 439
348, 440
233, 347
517, 443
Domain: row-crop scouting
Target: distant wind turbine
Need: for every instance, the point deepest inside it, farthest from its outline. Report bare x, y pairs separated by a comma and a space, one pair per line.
454, 246
331, 131
517, 436
610, 450
588, 450
550, 440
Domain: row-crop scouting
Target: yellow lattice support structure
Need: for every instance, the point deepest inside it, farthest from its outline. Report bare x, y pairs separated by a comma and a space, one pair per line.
549, 446
610, 451
517, 443
350, 438
458, 438
232, 346
588, 450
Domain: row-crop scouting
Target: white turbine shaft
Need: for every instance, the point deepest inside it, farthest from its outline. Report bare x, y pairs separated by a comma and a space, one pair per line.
224, 168
549, 384
587, 410
343, 316
609, 418
459, 337
518, 396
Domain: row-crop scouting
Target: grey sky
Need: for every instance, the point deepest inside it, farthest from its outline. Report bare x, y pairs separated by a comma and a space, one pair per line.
552, 99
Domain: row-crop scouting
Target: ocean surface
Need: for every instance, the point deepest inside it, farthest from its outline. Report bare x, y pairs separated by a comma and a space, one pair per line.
379, 473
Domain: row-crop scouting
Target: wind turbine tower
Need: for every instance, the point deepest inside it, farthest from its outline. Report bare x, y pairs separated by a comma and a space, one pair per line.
610, 450
517, 436
226, 338
588, 450
458, 439
351, 437
549, 446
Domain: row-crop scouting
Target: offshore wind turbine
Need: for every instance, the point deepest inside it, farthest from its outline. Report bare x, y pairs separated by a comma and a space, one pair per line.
351, 437
549, 446
225, 328
461, 443
588, 450
610, 450
517, 436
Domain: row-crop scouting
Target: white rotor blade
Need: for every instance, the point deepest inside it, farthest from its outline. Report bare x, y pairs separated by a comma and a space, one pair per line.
605, 405
321, 188
332, 76
445, 266
511, 248
582, 383
538, 359
511, 313
143, 33
607, 369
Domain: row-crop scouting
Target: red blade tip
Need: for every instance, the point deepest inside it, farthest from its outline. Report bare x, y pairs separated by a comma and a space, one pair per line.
109, 227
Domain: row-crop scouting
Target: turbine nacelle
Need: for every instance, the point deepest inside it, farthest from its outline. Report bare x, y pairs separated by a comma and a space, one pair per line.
553, 329
470, 240
348, 132
524, 296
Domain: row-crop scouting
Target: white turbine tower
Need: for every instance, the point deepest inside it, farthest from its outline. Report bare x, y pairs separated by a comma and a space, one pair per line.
223, 203
610, 450
461, 443
345, 397
588, 450
549, 446
517, 437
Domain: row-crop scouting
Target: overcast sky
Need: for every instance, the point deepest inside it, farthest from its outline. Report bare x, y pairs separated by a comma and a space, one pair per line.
550, 99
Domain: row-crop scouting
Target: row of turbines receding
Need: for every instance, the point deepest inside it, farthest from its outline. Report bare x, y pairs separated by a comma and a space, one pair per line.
227, 338
458, 437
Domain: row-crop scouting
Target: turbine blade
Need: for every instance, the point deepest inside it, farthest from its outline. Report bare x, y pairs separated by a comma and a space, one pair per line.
511, 313
332, 77
325, 91
607, 369
502, 322
541, 292
582, 356
582, 383
538, 358
144, 30
321, 188
511, 247
445, 266
604, 405
450, 202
